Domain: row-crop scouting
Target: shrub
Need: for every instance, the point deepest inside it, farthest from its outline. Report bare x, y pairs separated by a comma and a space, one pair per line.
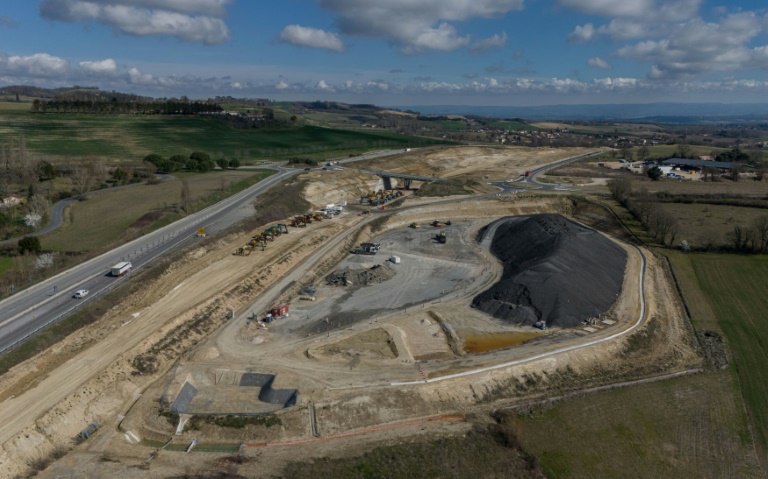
29, 243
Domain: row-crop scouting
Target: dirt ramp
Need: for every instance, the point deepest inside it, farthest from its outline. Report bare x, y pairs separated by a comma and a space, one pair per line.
554, 270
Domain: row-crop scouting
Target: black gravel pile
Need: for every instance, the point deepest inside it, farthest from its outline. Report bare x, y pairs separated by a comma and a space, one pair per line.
554, 270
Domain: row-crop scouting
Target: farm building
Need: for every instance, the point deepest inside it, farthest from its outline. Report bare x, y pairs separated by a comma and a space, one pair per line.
696, 165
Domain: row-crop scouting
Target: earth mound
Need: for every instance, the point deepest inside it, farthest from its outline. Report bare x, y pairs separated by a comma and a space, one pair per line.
554, 271
360, 277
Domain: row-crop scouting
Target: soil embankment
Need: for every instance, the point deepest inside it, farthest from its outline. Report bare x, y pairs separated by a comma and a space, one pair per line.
554, 271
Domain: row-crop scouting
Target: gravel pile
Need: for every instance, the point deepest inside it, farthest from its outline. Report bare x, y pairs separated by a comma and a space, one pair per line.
360, 277
554, 270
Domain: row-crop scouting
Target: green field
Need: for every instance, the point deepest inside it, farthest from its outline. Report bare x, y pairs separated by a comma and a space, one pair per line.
107, 219
135, 136
687, 427
735, 287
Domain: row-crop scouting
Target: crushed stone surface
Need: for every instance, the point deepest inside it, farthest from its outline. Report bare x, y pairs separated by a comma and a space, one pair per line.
554, 271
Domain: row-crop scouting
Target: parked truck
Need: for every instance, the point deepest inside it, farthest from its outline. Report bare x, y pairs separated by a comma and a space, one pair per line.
121, 268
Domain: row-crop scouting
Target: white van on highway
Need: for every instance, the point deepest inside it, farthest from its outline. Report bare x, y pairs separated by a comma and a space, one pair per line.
81, 293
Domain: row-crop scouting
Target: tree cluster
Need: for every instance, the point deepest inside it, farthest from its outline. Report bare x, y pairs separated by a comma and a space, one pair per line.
751, 239
114, 106
196, 161
655, 219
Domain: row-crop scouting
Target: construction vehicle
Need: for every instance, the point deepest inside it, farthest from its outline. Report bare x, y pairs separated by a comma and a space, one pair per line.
437, 224
441, 238
317, 217
414, 225
541, 325
298, 222
448, 223
367, 249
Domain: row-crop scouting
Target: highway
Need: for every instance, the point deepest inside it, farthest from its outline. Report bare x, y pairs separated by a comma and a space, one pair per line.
40, 305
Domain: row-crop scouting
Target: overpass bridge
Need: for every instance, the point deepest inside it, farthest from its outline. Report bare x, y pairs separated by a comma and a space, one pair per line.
387, 176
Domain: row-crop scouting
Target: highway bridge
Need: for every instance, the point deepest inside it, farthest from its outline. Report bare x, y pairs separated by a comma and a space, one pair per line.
386, 175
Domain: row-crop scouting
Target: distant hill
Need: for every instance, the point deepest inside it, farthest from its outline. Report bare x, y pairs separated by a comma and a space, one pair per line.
82, 93
651, 112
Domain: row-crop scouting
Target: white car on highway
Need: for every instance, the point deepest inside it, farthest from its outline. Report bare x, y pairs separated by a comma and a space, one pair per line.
81, 293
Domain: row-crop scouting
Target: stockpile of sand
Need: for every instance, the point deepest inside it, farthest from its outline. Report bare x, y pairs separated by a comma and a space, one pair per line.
554, 270
360, 277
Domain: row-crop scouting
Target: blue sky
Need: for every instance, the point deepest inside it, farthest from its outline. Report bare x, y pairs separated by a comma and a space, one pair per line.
395, 52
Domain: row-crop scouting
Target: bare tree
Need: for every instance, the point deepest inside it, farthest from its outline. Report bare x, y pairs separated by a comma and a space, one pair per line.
683, 150
643, 152
760, 229
620, 189
37, 204
82, 180
185, 195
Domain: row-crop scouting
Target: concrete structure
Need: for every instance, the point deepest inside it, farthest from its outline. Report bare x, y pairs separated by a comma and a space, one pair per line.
387, 176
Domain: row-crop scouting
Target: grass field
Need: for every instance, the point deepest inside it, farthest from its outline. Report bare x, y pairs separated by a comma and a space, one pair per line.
6, 264
702, 224
135, 136
686, 427
112, 217
735, 287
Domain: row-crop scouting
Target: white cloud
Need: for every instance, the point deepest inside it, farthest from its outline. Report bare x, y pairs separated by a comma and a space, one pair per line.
323, 86
582, 33
37, 65
415, 26
136, 77
598, 62
311, 37
496, 41
193, 20
102, 67
700, 47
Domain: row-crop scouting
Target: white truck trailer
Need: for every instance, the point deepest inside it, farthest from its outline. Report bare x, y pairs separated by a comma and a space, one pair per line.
121, 268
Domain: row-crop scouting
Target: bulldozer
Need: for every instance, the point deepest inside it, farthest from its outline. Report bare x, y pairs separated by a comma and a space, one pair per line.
298, 222
414, 225
317, 217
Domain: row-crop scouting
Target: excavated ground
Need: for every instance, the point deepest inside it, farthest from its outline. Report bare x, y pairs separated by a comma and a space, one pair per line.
555, 271
384, 332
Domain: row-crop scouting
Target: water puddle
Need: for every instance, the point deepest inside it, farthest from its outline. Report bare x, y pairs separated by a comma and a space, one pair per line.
491, 342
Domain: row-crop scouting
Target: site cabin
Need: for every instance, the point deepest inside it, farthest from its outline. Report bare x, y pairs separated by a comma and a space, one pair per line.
395, 259
280, 311
121, 268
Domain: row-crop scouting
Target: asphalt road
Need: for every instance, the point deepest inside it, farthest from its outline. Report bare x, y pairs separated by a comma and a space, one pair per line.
42, 304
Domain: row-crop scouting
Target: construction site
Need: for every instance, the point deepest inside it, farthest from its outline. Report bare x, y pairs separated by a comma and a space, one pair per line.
353, 325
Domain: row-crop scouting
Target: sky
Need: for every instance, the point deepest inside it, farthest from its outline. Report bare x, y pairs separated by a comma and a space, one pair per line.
395, 52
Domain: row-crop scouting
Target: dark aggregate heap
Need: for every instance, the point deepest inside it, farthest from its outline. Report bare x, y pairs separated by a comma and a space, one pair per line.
554, 270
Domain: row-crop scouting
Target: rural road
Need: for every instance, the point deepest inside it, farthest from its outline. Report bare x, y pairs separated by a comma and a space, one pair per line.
44, 303
57, 210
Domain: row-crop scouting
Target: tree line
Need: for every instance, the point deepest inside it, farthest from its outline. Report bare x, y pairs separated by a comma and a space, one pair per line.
196, 161
115, 106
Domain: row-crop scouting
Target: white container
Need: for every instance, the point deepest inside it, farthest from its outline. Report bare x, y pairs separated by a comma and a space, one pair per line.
395, 259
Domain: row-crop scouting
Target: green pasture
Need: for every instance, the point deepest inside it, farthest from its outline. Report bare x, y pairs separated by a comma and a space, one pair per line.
513, 125
686, 427
135, 136
113, 217
735, 288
